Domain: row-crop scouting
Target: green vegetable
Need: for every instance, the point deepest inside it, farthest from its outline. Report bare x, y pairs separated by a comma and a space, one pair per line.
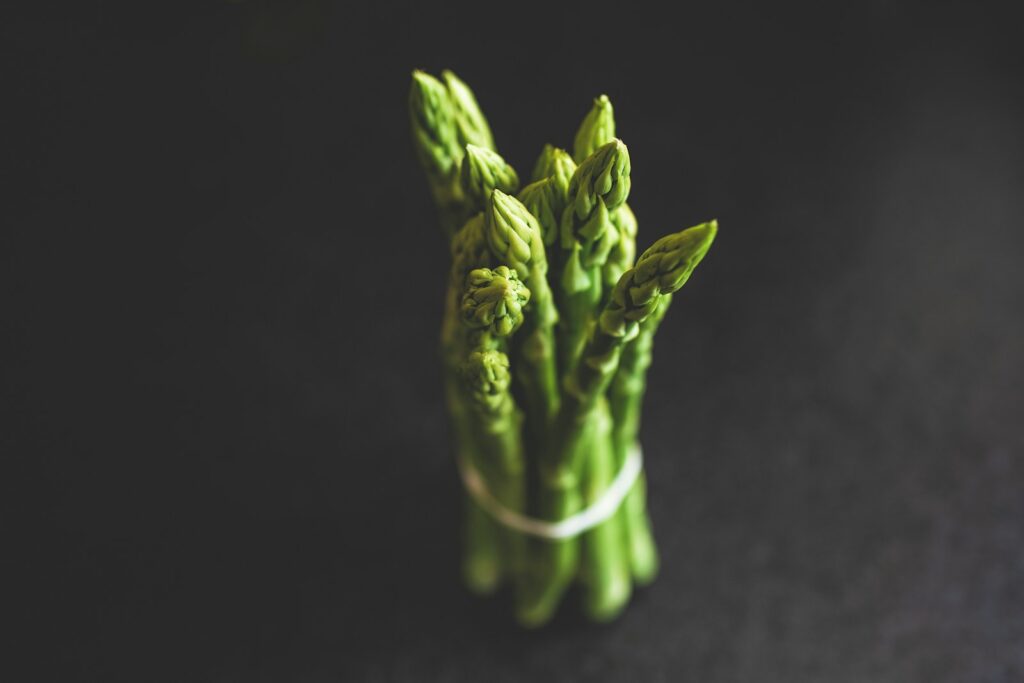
482, 171
547, 336
599, 186
597, 129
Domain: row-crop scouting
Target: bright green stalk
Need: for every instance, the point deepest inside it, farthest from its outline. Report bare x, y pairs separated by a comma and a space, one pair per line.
547, 196
514, 237
599, 186
606, 567
482, 171
662, 269
470, 124
626, 397
597, 129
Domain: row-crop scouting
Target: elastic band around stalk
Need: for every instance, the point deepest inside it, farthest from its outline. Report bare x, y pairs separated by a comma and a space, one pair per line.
570, 527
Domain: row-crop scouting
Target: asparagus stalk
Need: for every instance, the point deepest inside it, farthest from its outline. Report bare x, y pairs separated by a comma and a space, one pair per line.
481, 565
626, 399
540, 199
546, 198
445, 118
548, 195
556, 163
605, 572
599, 185
437, 146
662, 269
482, 171
514, 237
596, 130
492, 307
606, 567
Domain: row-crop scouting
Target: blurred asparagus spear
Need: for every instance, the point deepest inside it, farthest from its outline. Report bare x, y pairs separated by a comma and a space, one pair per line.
444, 119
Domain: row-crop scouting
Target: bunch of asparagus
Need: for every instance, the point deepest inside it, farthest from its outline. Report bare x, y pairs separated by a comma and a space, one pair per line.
547, 333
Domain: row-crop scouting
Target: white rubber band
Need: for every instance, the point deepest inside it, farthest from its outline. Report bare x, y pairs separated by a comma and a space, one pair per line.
570, 527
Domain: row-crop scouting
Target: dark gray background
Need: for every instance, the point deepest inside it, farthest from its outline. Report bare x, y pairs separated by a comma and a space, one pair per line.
223, 407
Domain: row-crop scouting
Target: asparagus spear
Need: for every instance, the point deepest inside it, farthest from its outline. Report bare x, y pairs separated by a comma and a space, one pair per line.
540, 199
514, 237
599, 185
470, 124
501, 460
626, 399
492, 307
554, 162
597, 129
548, 195
482, 171
445, 118
493, 301
605, 568
437, 146
662, 269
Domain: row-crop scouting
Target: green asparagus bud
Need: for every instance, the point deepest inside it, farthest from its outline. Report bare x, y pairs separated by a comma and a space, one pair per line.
470, 123
433, 125
488, 378
604, 174
513, 233
542, 167
599, 185
662, 269
597, 129
540, 199
591, 240
555, 163
494, 300
482, 172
